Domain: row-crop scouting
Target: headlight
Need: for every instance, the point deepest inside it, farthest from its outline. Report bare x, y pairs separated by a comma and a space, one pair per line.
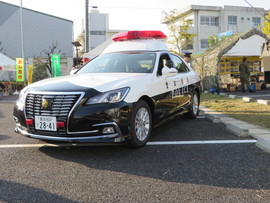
22, 97
109, 97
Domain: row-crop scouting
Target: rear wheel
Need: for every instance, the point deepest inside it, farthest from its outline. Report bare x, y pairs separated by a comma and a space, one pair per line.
194, 106
140, 125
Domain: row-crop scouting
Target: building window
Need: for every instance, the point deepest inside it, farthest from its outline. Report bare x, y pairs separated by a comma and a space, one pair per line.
97, 32
204, 43
256, 21
210, 20
232, 20
189, 46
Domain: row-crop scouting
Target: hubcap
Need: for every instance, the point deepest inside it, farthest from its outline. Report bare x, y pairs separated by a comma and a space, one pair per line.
195, 104
142, 124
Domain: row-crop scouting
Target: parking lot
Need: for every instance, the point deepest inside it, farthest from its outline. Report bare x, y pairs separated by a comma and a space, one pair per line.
184, 161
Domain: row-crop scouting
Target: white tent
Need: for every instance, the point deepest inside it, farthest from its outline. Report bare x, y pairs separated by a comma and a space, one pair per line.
7, 68
98, 50
251, 46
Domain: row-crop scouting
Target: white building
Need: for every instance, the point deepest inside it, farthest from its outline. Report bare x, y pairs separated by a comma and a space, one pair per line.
213, 20
99, 31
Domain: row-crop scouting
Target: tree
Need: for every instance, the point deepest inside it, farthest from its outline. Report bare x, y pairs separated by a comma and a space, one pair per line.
49, 53
213, 40
2, 50
81, 39
39, 70
266, 25
181, 36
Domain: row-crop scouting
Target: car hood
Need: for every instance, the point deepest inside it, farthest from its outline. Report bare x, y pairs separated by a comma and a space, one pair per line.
101, 82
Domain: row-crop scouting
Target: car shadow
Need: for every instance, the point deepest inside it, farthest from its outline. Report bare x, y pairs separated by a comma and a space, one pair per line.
230, 166
4, 137
16, 192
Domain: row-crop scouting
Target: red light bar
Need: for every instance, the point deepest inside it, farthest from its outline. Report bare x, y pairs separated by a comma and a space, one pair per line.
84, 60
124, 36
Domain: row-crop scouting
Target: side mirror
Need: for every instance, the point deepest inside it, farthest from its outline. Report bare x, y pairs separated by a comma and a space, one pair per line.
167, 72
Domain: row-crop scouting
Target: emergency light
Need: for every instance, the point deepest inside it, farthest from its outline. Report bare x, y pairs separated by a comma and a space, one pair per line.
130, 35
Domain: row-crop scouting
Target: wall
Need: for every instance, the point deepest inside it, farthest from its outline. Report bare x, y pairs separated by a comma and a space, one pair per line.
40, 31
98, 25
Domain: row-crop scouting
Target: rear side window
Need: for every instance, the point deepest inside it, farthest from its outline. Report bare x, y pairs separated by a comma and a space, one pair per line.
179, 64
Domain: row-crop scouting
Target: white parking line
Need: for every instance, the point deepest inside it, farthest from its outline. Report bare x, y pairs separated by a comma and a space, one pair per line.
202, 142
148, 143
200, 117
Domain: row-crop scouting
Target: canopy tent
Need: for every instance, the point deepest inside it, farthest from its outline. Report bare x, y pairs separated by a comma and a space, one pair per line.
98, 50
7, 63
7, 68
247, 47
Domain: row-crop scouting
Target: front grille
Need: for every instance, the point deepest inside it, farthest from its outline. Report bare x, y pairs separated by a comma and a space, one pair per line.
59, 107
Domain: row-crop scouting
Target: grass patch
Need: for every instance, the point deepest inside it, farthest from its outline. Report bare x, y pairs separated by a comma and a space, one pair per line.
250, 112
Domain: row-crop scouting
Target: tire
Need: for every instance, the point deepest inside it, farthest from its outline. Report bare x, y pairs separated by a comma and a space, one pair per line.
194, 106
140, 125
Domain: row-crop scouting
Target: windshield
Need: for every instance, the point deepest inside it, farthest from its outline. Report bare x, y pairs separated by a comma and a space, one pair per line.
128, 62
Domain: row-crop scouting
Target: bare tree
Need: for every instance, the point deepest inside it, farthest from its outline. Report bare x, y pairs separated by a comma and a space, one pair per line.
2, 50
49, 53
181, 36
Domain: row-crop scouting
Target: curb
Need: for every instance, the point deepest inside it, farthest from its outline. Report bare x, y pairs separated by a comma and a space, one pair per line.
247, 99
263, 143
237, 130
240, 128
265, 102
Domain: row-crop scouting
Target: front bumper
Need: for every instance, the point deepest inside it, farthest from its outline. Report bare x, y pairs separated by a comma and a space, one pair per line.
108, 138
84, 123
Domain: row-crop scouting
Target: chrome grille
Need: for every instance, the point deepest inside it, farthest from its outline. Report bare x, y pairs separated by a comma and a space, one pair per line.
60, 105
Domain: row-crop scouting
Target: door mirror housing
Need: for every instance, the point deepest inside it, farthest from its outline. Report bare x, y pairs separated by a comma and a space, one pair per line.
167, 72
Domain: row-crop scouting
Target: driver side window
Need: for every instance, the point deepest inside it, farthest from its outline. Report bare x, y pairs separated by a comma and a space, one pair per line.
162, 61
179, 64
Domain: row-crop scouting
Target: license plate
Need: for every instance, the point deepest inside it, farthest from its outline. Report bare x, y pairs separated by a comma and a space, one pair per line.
45, 123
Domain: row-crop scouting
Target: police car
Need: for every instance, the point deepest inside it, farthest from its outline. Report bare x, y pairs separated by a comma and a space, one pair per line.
117, 97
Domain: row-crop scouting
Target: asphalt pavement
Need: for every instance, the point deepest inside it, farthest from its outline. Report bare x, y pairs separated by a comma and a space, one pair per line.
179, 164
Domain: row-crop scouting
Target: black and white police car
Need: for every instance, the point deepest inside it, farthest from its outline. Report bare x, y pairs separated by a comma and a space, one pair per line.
116, 97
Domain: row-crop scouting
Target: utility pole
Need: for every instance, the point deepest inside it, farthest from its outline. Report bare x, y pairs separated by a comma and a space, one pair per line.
22, 41
86, 27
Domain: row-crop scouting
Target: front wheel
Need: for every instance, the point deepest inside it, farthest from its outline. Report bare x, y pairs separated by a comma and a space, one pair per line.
194, 106
140, 125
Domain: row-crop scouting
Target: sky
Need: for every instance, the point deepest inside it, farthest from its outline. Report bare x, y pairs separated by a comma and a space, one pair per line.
125, 14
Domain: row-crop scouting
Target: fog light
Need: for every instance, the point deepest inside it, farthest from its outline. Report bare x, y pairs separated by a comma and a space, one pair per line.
60, 124
108, 130
29, 121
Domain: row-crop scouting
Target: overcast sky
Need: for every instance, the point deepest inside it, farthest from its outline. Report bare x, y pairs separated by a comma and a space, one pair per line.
125, 14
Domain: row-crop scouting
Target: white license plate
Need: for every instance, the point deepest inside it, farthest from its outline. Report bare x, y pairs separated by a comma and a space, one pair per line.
45, 123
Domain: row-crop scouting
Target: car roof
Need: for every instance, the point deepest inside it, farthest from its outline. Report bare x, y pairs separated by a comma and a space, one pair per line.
137, 45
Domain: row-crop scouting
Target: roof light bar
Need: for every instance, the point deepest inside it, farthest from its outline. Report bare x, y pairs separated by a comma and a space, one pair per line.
130, 35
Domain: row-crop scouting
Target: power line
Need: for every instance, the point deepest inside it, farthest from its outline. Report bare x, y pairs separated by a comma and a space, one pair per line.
258, 11
118, 7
